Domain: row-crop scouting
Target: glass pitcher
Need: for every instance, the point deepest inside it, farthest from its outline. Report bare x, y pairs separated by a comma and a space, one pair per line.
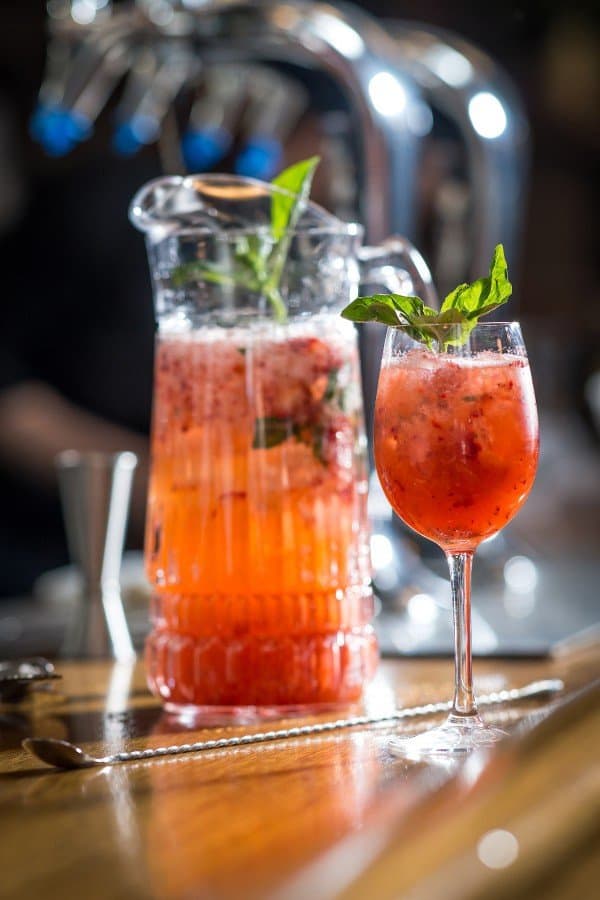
257, 541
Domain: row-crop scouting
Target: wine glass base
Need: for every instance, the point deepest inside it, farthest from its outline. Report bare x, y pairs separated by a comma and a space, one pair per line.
458, 736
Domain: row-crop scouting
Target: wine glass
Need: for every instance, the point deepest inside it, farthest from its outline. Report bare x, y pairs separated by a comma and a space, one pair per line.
456, 450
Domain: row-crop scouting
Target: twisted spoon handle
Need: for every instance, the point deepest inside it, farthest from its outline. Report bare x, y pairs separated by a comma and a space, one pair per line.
534, 689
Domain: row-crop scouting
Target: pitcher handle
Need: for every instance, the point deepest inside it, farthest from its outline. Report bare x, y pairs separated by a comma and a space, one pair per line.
395, 266
398, 267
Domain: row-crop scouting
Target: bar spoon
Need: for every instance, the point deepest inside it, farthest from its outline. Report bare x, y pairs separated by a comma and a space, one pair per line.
65, 755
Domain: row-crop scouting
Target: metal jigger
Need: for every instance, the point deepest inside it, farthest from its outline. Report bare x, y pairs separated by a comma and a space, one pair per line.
95, 489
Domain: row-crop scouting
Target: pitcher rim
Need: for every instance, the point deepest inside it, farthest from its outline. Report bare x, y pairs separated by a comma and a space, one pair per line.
143, 221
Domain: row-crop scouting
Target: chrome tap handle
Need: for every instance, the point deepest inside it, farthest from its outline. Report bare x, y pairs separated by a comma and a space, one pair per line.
82, 70
157, 75
347, 44
95, 489
274, 106
214, 116
466, 85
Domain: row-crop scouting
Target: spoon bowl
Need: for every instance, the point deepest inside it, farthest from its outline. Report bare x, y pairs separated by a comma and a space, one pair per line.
61, 754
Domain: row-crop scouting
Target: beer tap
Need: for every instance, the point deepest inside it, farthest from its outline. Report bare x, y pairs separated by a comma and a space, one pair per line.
156, 77
343, 42
214, 116
275, 104
84, 64
472, 91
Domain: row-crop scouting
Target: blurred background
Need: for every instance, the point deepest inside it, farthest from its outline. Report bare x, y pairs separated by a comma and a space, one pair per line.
492, 133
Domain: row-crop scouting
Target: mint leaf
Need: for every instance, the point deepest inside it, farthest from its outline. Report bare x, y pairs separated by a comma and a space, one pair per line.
442, 329
484, 295
252, 251
318, 443
332, 389
373, 309
337, 391
270, 431
391, 309
453, 323
200, 271
395, 311
248, 270
285, 212
296, 179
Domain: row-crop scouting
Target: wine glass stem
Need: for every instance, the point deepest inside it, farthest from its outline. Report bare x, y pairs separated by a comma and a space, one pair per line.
460, 579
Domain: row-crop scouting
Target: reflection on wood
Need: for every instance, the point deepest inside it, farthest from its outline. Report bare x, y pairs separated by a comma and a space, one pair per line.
320, 817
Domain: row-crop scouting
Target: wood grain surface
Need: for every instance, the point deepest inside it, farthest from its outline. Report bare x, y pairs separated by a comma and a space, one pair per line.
317, 817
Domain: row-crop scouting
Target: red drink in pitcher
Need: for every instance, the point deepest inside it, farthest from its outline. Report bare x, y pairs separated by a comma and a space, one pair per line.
257, 543
257, 540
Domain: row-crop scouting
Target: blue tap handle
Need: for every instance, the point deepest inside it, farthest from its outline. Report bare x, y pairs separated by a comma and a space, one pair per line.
59, 130
132, 134
260, 158
203, 148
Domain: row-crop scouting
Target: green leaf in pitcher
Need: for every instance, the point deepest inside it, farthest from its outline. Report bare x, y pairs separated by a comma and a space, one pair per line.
458, 315
201, 271
269, 432
259, 260
296, 179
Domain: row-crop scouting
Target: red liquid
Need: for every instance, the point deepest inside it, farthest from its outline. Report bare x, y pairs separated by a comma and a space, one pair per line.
257, 542
456, 443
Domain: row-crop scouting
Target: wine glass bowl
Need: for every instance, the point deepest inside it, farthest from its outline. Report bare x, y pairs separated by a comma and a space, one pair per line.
456, 451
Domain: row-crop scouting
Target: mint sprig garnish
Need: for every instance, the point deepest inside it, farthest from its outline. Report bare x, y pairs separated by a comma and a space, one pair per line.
453, 322
259, 259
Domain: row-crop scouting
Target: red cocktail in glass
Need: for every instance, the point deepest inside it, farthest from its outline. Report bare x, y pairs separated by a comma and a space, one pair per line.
456, 450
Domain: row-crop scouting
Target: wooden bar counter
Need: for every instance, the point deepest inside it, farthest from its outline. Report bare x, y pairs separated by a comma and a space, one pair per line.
315, 817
